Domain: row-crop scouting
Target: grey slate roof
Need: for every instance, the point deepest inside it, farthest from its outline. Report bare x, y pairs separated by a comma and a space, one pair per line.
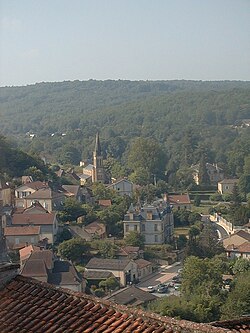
107, 264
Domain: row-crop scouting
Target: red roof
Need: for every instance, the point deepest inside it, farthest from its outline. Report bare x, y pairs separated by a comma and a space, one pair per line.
177, 199
105, 203
21, 231
26, 251
31, 306
37, 219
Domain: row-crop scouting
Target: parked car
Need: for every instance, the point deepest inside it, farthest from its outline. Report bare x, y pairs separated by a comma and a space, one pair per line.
151, 289
162, 289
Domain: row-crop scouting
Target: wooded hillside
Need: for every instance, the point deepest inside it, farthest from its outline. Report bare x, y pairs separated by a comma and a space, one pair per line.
189, 119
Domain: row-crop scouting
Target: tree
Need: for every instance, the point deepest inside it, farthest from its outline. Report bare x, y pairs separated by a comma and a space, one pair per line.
72, 209
73, 249
109, 284
238, 301
148, 155
197, 200
133, 238
203, 174
241, 265
107, 249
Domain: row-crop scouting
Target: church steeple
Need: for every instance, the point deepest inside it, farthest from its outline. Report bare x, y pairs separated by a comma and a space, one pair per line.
98, 170
97, 145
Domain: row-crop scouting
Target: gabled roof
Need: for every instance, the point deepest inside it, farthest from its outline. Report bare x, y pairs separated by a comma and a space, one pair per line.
242, 234
31, 306
127, 250
35, 208
95, 228
228, 181
107, 264
131, 295
142, 263
120, 181
44, 193
97, 275
34, 185
176, 199
64, 273
71, 189
35, 219
35, 268
243, 248
26, 251
21, 231
105, 203
45, 255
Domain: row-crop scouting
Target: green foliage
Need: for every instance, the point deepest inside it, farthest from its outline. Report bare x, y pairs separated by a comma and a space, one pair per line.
109, 284
216, 197
238, 301
147, 155
203, 174
197, 200
72, 209
241, 265
106, 248
73, 249
133, 238
64, 235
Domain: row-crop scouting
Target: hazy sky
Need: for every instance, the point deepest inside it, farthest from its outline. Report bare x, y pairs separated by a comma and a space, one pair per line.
56, 40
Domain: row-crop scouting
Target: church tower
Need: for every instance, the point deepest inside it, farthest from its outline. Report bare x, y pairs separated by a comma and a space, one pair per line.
98, 170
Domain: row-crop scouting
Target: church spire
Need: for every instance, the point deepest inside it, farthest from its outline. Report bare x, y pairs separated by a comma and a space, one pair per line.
97, 144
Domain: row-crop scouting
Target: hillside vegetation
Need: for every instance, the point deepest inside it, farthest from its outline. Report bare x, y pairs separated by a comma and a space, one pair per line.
189, 119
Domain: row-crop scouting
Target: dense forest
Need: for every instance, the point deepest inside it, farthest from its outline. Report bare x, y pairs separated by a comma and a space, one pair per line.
188, 120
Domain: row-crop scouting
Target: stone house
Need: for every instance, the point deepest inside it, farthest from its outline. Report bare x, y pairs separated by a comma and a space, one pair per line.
215, 173
145, 268
24, 190
240, 251
122, 187
125, 271
18, 237
157, 227
36, 215
236, 239
226, 186
44, 266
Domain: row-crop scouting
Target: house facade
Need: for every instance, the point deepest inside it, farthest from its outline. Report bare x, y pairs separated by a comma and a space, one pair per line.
240, 251
215, 173
18, 237
226, 186
25, 190
125, 271
122, 187
38, 216
157, 227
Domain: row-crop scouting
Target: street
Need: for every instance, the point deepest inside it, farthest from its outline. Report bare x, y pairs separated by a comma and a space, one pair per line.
162, 277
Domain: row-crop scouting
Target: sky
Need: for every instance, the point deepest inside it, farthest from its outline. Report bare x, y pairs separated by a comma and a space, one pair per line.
57, 40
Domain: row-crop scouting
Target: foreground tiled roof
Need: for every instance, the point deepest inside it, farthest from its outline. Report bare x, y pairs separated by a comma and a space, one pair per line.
241, 325
30, 306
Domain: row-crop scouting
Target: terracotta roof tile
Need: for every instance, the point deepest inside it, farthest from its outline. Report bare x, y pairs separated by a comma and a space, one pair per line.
46, 309
21, 231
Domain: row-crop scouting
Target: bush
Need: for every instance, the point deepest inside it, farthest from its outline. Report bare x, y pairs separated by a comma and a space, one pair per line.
216, 197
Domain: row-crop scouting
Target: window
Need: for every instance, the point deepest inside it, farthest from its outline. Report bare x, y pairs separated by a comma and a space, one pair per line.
156, 238
17, 240
135, 228
156, 227
32, 240
126, 228
143, 227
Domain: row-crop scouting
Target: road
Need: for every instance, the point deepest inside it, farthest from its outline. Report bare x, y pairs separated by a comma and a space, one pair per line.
161, 277
220, 230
